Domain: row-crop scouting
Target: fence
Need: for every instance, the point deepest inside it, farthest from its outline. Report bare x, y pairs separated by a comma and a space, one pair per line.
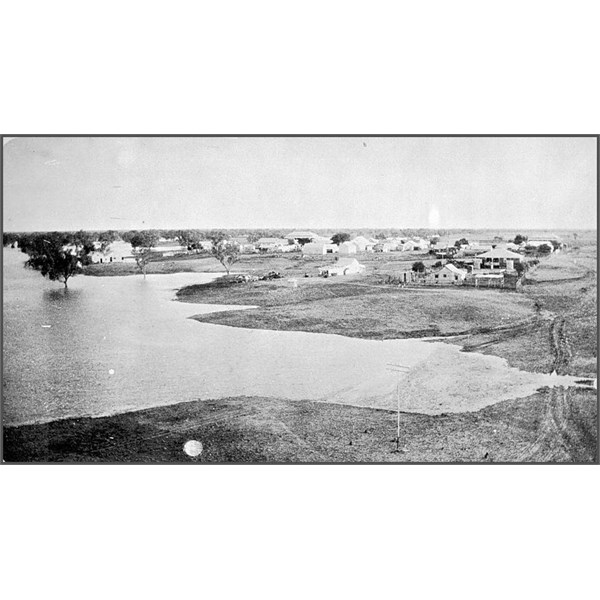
505, 283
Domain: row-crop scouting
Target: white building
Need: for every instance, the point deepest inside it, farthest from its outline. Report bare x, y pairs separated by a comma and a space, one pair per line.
497, 258
415, 245
363, 244
384, 247
347, 248
319, 248
343, 266
117, 251
244, 245
447, 275
273, 244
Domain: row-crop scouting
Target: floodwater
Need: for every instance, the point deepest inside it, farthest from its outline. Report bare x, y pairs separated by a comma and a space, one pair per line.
114, 344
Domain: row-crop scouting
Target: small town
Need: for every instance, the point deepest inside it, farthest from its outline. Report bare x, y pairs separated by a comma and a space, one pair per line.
497, 293
299, 300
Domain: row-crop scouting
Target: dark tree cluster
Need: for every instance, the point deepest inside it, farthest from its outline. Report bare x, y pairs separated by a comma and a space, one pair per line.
340, 238
519, 239
58, 256
189, 238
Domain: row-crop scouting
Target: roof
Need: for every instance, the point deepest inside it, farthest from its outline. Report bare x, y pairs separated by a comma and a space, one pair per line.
319, 243
345, 262
360, 239
267, 240
301, 235
499, 253
454, 269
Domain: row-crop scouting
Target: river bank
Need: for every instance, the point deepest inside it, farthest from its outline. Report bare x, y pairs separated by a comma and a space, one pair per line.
549, 326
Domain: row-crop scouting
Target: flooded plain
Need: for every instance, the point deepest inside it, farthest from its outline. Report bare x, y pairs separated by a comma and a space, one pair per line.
114, 344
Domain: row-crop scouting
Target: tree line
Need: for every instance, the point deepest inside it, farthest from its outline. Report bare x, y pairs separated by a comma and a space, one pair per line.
59, 256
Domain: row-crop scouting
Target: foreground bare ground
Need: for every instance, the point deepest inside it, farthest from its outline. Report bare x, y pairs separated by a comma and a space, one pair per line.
258, 430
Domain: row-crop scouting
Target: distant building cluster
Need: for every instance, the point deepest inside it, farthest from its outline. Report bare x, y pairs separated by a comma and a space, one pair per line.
486, 263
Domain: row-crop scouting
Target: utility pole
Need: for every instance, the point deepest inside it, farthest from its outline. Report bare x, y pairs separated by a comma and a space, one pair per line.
399, 369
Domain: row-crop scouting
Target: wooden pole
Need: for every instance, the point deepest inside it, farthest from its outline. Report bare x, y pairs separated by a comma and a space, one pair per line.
398, 414
398, 369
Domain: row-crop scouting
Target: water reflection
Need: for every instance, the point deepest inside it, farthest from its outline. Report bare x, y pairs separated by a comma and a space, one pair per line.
62, 295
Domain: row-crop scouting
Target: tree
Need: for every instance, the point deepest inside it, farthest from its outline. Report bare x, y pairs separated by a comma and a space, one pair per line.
519, 267
142, 243
8, 239
254, 236
59, 256
225, 252
519, 239
340, 238
461, 242
545, 249
188, 238
106, 238
109, 236
418, 267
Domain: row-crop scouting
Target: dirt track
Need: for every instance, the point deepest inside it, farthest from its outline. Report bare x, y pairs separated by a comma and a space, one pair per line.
561, 433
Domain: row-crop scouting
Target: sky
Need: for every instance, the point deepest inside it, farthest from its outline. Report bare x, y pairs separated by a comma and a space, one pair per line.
309, 183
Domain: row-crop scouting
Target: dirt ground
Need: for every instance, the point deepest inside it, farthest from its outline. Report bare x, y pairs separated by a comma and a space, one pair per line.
544, 427
564, 337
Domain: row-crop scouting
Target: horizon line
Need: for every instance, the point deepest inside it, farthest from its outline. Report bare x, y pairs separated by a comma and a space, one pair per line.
306, 228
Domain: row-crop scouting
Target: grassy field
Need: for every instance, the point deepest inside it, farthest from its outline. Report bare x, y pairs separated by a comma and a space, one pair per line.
355, 309
545, 427
290, 265
549, 325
